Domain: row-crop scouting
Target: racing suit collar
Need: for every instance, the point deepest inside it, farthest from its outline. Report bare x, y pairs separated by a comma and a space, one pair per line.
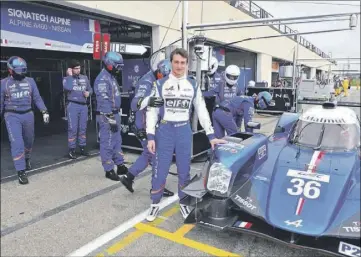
171, 76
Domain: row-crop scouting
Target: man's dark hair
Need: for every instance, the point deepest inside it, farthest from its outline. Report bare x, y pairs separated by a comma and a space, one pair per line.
74, 63
182, 52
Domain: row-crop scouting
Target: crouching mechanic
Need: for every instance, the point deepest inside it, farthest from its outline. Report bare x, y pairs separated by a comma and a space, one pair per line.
227, 114
78, 89
108, 98
174, 133
18, 93
138, 105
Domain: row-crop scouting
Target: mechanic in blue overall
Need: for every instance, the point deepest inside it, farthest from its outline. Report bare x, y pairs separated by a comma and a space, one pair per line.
213, 80
108, 99
168, 128
227, 113
139, 105
18, 93
78, 89
229, 88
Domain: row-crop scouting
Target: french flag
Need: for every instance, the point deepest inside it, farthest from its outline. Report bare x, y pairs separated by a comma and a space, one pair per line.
47, 44
94, 26
243, 224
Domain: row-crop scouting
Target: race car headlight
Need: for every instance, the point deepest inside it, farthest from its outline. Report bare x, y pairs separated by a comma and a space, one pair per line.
219, 178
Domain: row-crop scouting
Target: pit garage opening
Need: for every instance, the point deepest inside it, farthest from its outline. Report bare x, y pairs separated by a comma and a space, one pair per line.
48, 37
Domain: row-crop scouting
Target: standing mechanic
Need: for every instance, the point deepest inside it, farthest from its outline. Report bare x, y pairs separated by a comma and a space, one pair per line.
108, 98
227, 113
138, 105
173, 133
18, 93
213, 79
229, 88
78, 89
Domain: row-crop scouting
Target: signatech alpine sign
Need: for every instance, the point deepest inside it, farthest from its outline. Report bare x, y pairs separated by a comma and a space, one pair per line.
31, 26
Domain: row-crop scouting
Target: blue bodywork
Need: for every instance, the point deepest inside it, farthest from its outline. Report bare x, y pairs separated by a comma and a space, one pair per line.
272, 187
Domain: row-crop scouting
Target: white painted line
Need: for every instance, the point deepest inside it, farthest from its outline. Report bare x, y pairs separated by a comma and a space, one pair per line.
52, 165
110, 235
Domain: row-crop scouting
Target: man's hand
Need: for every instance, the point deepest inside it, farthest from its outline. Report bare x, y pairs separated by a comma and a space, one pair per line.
151, 146
69, 72
46, 117
217, 141
112, 122
86, 93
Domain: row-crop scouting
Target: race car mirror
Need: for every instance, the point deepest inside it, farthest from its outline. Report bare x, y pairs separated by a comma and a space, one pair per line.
254, 125
279, 129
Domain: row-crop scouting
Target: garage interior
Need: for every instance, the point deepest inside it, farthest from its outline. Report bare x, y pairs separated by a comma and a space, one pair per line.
48, 68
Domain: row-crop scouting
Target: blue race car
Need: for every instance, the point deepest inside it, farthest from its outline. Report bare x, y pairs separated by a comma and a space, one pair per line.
300, 186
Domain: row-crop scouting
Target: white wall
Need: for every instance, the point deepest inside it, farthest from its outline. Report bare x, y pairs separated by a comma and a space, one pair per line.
159, 13
264, 68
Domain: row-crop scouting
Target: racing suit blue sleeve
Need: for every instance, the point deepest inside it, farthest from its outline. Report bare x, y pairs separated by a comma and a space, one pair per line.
248, 110
36, 96
142, 95
103, 94
2, 100
212, 92
68, 83
203, 115
88, 87
152, 114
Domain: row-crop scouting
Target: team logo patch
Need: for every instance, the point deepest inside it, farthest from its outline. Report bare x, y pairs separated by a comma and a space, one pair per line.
178, 103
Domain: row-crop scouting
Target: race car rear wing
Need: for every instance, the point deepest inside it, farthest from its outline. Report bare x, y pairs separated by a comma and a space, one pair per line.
315, 102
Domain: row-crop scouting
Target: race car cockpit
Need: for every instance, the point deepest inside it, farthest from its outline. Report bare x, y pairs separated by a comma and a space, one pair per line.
327, 129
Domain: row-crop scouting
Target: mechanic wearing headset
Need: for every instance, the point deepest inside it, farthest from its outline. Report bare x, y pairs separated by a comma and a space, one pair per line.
78, 89
228, 89
108, 99
227, 113
18, 93
139, 105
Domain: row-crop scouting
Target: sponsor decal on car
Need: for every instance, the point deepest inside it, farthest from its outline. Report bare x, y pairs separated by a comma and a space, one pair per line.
245, 202
349, 249
353, 228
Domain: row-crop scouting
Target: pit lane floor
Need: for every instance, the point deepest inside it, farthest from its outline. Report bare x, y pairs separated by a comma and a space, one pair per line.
75, 210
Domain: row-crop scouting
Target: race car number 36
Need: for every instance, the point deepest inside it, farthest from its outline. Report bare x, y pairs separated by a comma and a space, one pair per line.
349, 250
306, 184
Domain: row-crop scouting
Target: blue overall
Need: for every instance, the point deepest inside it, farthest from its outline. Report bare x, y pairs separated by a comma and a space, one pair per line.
17, 98
77, 108
142, 90
229, 114
174, 133
108, 101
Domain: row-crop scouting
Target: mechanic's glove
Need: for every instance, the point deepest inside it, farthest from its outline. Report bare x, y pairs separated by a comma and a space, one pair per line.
45, 117
155, 101
131, 118
141, 134
124, 128
112, 122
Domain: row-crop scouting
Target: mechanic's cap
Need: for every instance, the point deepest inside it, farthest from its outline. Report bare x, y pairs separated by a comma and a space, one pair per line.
17, 65
74, 63
265, 100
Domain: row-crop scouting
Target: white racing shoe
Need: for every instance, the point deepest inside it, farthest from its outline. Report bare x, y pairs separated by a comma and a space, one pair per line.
184, 209
153, 212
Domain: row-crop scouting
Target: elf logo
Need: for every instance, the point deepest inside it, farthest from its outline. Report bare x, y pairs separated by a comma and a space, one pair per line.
178, 103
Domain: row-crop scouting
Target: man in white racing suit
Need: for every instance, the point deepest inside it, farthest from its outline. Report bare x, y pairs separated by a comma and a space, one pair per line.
174, 134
